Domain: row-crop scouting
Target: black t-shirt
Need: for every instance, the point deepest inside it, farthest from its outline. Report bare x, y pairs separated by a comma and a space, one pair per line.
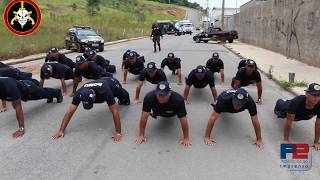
138, 66
175, 105
160, 76
246, 79
175, 64
156, 32
59, 71
61, 59
9, 89
215, 67
101, 61
224, 104
297, 106
93, 71
106, 90
208, 79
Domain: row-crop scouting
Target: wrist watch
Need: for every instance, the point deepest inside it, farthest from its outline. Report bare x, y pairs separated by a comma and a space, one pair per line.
21, 129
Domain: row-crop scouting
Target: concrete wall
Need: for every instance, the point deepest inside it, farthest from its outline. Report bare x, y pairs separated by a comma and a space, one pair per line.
236, 22
290, 27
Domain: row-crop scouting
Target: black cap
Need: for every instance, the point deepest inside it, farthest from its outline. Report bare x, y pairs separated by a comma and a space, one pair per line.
215, 55
240, 97
46, 71
313, 89
54, 50
151, 66
200, 69
80, 59
250, 63
171, 55
163, 88
87, 97
124, 99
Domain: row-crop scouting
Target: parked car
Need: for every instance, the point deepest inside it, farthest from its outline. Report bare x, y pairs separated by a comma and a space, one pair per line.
187, 28
80, 37
215, 34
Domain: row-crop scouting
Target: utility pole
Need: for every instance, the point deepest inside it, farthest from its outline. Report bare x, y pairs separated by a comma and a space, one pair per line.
222, 16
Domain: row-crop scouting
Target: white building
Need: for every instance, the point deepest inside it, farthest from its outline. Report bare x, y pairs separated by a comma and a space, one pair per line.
215, 15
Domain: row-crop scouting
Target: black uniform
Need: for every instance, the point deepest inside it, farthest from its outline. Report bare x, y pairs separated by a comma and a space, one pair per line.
172, 65
224, 104
106, 89
215, 67
296, 106
156, 33
175, 105
160, 76
59, 71
101, 61
135, 68
15, 73
61, 59
11, 90
246, 79
208, 79
93, 71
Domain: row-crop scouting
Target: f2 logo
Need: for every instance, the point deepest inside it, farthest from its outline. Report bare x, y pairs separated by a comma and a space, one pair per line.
298, 151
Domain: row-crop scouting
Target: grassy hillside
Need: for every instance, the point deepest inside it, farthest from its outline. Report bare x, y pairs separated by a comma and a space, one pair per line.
117, 19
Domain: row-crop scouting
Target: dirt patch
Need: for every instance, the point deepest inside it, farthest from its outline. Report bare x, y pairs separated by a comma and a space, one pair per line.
168, 11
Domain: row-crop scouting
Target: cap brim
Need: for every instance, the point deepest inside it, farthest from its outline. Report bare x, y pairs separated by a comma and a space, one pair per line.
87, 106
163, 93
150, 70
313, 93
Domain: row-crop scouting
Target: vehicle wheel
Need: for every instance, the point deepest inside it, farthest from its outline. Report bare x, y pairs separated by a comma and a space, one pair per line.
230, 40
79, 48
101, 48
205, 41
68, 46
197, 40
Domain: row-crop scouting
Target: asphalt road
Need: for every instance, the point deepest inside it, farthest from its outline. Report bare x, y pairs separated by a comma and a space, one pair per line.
87, 151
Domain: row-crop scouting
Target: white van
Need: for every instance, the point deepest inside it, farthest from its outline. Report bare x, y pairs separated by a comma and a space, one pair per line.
187, 28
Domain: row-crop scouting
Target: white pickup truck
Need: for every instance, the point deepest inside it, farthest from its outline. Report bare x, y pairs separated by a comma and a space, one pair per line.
187, 27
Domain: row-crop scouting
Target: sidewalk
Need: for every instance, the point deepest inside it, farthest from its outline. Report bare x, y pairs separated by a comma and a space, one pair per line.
282, 66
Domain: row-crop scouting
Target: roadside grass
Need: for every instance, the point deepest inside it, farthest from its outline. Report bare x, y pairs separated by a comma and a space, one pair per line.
125, 21
288, 85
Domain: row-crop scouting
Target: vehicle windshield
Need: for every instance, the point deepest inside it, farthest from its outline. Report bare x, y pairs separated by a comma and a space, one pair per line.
86, 32
187, 25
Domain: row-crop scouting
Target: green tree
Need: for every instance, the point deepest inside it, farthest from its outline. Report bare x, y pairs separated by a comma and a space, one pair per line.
93, 6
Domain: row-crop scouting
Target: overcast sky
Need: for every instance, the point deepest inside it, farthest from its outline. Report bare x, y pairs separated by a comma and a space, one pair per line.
218, 3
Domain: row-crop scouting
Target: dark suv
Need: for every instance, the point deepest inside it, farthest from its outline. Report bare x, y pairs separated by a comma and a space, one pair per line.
79, 37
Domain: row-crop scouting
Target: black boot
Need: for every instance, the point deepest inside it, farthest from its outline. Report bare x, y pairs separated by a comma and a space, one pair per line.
60, 98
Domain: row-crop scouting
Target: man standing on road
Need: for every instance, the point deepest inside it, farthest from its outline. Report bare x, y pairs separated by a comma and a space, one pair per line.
56, 71
234, 101
88, 70
200, 78
151, 74
133, 65
55, 55
216, 65
248, 75
174, 64
166, 103
17, 90
155, 35
98, 91
303, 107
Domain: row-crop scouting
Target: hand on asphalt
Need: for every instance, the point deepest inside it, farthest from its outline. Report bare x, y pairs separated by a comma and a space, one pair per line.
258, 144
18, 134
136, 101
3, 109
259, 102
209, 141
185, 142
316, 146
140, 140
116, 137
58, 135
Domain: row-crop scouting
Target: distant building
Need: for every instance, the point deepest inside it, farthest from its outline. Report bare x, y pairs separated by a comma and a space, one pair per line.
215, 15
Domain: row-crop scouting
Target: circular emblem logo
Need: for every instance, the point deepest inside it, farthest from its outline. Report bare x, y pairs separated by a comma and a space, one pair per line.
206, 35
317, 87
162, 86
240, 96
22, 17
150, 66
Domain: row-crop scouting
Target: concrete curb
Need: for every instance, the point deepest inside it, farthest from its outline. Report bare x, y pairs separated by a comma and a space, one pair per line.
63, 51
293, 92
